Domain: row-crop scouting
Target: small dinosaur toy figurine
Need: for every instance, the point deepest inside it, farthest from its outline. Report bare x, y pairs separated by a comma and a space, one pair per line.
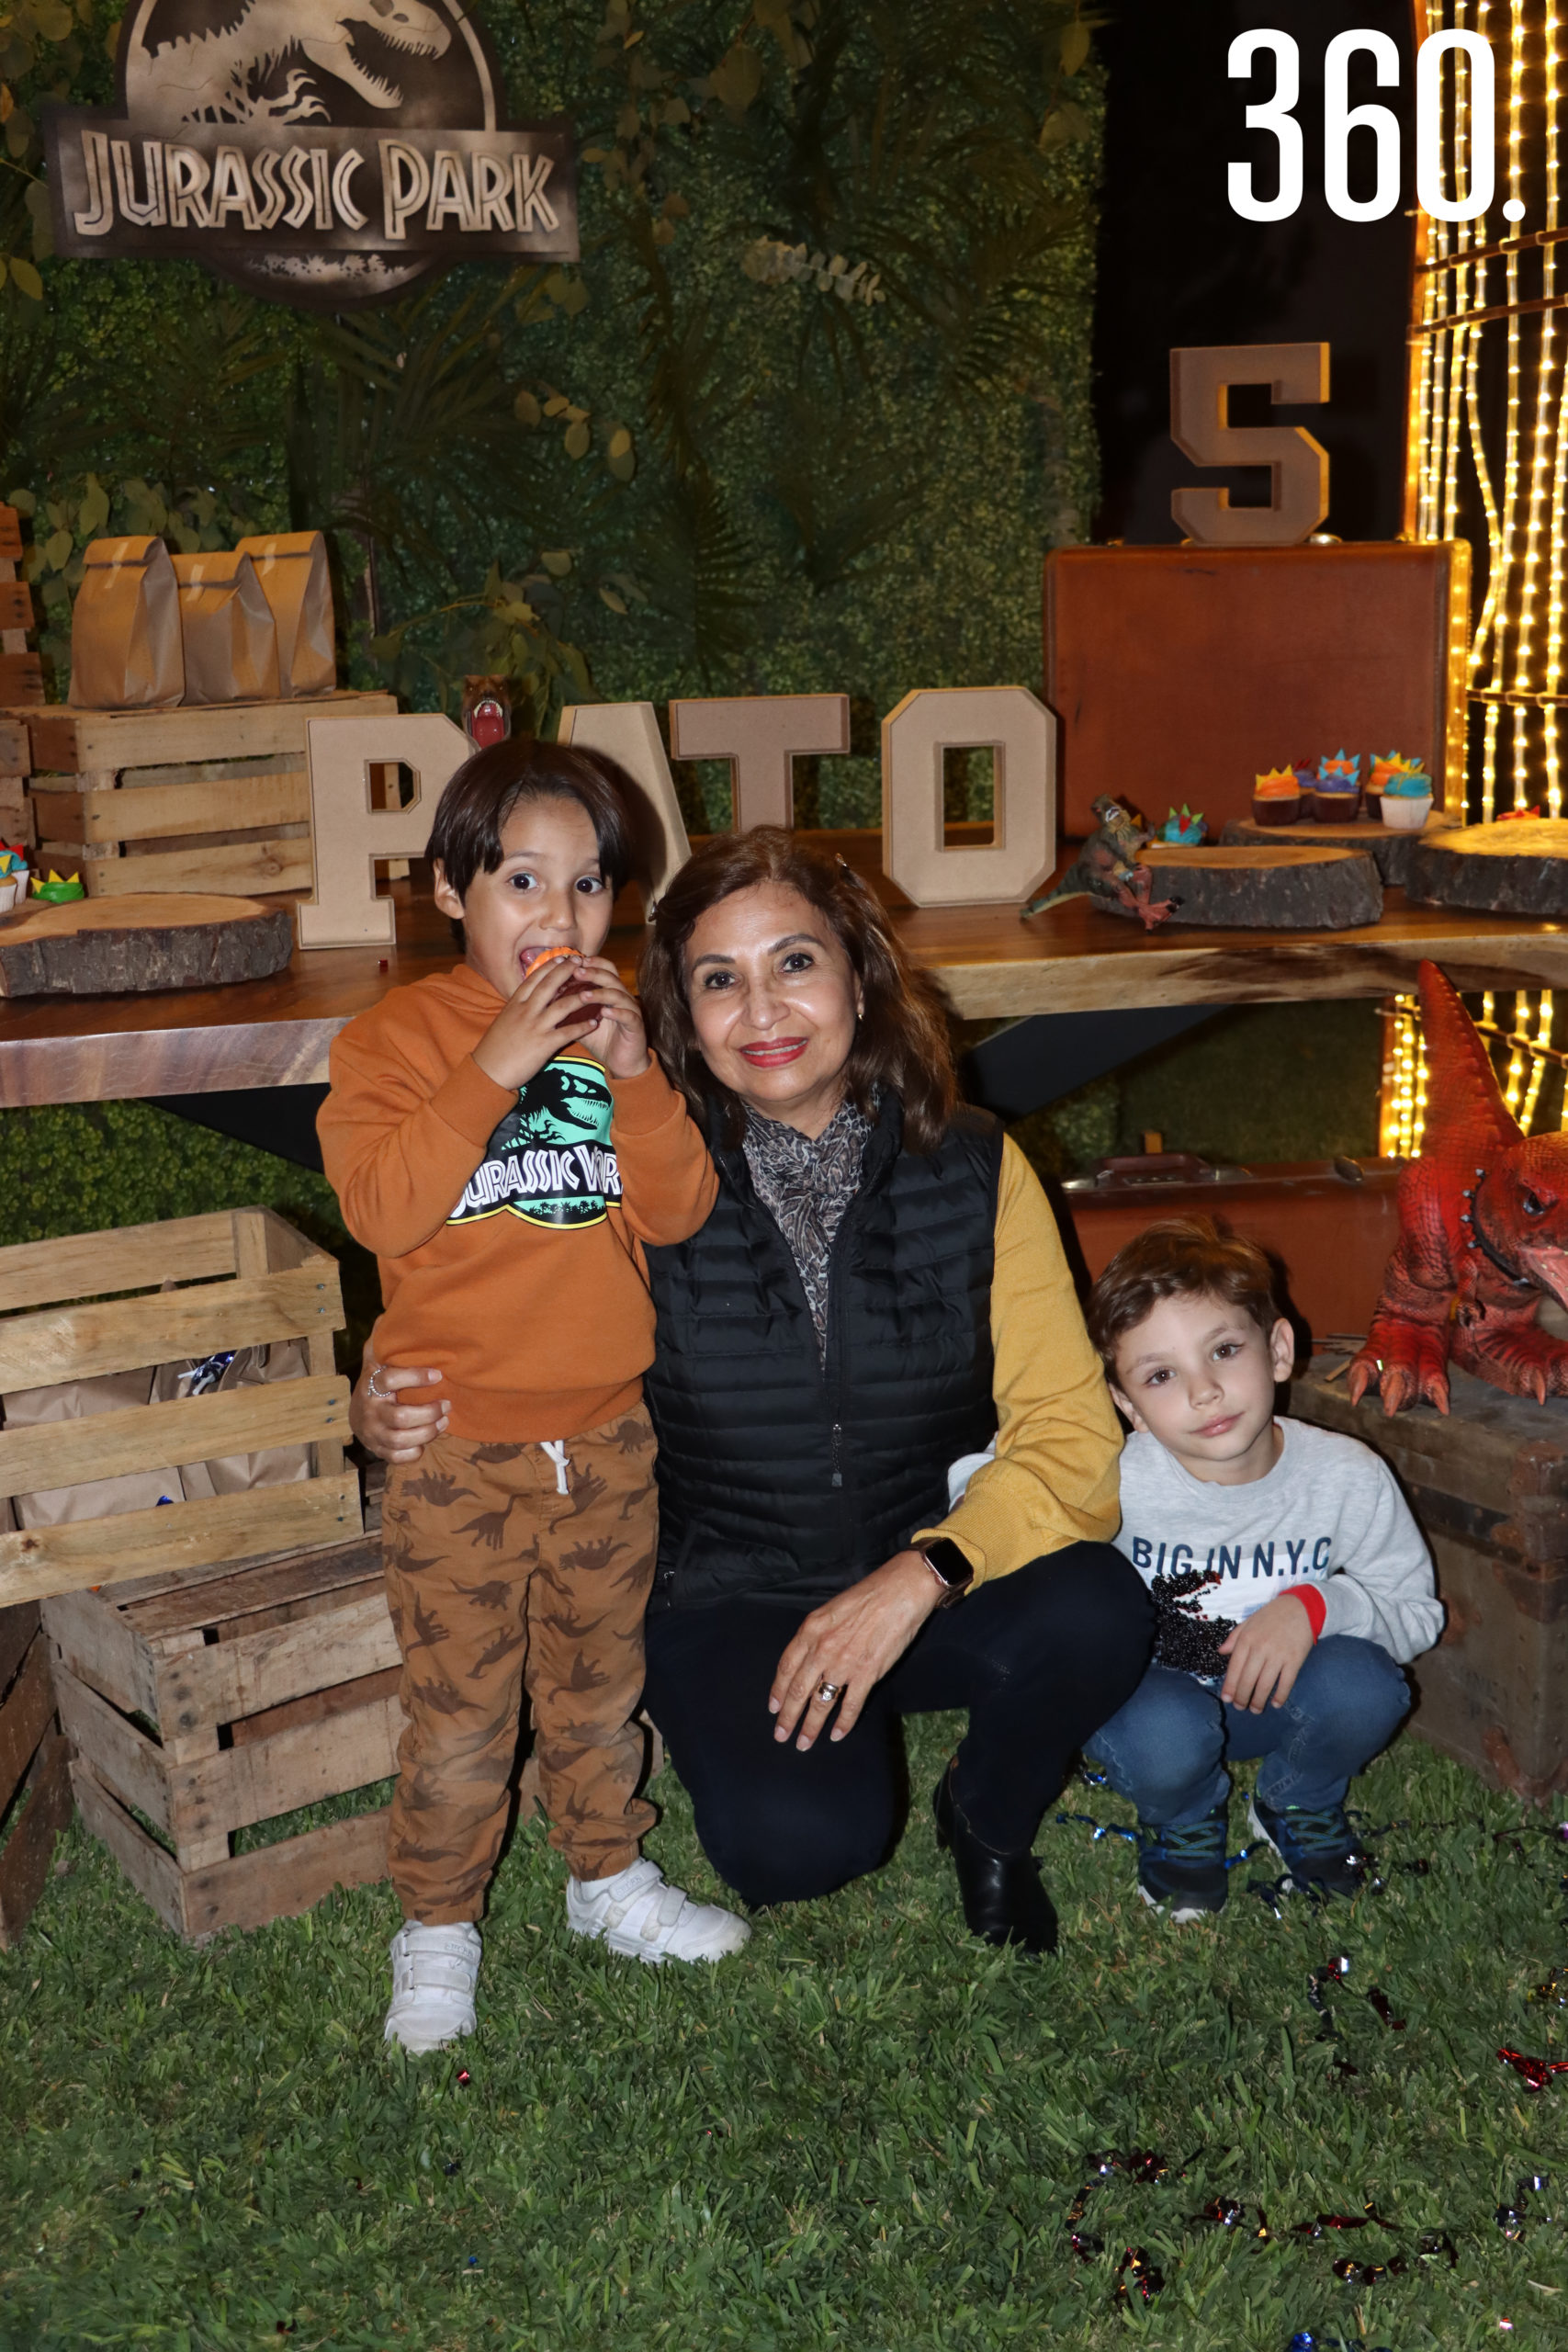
1107, 871
1484, 1237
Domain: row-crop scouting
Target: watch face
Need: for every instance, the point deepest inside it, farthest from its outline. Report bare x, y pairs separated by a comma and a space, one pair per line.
949, 1563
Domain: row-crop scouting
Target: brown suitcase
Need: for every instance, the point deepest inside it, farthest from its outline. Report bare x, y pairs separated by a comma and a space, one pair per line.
1181, 673
1489, 1484
1333, 1222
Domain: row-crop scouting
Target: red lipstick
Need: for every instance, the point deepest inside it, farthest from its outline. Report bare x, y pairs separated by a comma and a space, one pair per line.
775, 1054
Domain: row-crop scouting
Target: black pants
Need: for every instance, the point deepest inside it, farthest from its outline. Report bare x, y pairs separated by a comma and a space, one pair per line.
1040, 1658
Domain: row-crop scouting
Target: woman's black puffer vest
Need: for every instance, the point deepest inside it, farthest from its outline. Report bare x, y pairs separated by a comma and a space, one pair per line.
779, 1474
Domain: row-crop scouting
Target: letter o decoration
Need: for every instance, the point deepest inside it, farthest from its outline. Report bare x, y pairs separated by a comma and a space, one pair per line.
1021, 734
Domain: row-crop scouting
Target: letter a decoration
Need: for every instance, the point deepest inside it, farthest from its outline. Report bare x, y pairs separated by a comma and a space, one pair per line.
323, 151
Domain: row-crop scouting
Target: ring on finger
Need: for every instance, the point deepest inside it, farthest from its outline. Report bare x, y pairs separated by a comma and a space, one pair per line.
827, 1692
382, 1395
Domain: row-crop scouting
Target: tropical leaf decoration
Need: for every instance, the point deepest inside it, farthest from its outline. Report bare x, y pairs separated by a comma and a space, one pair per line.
509, 629
42, 45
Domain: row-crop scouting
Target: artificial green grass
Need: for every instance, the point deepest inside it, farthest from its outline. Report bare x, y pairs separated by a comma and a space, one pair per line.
866, 2133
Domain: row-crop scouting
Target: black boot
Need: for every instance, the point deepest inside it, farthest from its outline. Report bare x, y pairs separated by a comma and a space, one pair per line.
1004, 1900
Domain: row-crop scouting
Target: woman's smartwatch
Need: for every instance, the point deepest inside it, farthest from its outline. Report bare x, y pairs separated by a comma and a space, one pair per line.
950, 1569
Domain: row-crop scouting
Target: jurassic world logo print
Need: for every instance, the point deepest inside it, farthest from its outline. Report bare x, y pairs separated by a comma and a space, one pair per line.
549, 1161
324, 151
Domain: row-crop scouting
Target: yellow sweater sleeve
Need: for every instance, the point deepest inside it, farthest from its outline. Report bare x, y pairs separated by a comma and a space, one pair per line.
1053, 1481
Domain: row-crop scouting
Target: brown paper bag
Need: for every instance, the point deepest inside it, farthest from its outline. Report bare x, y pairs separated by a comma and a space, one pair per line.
235, 1474
230, 638
73, 1400
292, 569
125, 629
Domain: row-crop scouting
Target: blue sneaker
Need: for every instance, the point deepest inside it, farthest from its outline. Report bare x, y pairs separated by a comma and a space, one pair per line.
1182, 1871
1316, 1846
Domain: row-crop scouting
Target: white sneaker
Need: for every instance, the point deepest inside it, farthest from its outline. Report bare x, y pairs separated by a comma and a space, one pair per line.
434, 1971
642, 1918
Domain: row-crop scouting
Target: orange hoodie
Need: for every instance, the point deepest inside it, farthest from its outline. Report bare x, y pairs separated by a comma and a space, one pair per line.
509, 1259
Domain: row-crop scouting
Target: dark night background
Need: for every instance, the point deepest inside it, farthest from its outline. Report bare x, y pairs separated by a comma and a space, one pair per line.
1176, 266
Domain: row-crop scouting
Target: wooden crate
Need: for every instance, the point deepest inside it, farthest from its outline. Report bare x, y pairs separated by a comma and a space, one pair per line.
21, 672
1178, 672
244, 1279
212, 797
16, 812
1489, 1484
35, 1786
210, 1701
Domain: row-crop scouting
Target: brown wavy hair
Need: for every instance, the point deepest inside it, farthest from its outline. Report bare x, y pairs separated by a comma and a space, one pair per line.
1182, 1257
902, 1040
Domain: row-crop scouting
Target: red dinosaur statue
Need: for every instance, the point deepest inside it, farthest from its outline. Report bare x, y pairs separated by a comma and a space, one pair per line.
1484, 1236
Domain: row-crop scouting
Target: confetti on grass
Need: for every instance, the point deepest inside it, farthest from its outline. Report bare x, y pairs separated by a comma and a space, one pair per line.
1534, 2073
1138, 2278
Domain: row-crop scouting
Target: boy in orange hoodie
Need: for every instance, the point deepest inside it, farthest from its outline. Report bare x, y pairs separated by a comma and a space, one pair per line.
503, 1139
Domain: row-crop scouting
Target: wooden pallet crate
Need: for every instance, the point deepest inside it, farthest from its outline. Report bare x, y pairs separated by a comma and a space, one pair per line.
21, 672
209, 1702
21, 680
212, 797
35, 1785
15, 760
1488, 1483
242, 1279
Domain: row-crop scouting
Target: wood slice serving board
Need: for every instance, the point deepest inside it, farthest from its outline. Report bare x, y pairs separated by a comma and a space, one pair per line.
113, 946
1518, 867
1292, 889
1392, 851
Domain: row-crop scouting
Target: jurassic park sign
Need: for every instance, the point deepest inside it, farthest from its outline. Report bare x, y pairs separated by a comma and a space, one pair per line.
324, 152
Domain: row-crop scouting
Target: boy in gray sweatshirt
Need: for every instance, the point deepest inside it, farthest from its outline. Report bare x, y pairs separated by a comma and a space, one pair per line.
1291, 1583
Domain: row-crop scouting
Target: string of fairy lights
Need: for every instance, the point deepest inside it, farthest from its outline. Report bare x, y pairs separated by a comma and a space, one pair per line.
1522, 1052
1475, 329
1481, 344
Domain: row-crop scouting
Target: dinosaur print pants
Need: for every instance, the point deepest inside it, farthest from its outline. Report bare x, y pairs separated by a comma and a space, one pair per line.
498, 1583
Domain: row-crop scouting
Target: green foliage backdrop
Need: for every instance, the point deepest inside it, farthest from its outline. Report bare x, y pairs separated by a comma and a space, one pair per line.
807, 416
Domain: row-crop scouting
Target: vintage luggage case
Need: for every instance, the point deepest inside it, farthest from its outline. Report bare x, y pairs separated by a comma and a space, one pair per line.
1489, 1484
1179, 674
1333, 1222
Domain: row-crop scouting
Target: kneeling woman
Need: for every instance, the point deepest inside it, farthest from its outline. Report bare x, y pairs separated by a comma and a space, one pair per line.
878, 1297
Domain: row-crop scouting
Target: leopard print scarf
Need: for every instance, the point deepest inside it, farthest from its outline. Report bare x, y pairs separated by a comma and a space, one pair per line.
806, 1184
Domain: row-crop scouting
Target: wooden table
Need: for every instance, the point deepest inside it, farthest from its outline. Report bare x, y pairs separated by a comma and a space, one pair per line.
1072, 959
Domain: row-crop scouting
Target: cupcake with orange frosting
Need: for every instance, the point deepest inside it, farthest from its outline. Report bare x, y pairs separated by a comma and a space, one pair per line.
1276, 798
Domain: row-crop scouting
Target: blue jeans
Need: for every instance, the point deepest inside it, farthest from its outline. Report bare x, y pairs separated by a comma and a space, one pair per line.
1166, 1749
